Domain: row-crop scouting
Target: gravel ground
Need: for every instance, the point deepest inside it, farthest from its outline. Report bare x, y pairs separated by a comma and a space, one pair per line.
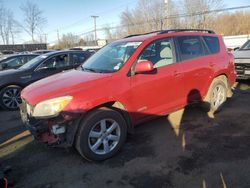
186, 149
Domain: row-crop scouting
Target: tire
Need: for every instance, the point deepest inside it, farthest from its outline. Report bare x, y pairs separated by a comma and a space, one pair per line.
10, 98
101, 134
216, 95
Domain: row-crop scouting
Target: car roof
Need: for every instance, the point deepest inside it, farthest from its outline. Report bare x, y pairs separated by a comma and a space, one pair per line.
61, 52
17, 55
177, 32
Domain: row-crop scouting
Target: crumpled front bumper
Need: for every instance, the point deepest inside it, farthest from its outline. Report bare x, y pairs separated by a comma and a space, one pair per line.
56, 131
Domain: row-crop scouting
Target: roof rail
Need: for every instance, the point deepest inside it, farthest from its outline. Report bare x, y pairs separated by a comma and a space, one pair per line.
188, 30
142, 34
171, 31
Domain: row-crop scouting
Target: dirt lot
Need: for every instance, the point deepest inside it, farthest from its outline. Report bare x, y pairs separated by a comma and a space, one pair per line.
199, 152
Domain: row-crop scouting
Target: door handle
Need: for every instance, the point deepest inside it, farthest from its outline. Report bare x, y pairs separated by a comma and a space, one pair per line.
212, 64
176, 73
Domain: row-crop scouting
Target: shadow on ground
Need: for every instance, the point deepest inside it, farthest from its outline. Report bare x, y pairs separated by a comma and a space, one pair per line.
199, 152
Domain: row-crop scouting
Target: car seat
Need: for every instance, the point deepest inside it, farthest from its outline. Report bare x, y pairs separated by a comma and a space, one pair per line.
166, 57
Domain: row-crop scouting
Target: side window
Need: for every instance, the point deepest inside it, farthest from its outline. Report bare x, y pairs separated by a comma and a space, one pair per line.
59, 61
28, 58
159, 52
212, 44
78, 58
14, 62
23, 60
190, 47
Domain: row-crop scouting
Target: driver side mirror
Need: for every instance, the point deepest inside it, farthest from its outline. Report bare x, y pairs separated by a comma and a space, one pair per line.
237, 48
144, 66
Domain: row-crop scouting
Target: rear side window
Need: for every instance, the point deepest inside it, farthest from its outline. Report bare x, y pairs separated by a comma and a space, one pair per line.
212, 44
190, 47
78, 58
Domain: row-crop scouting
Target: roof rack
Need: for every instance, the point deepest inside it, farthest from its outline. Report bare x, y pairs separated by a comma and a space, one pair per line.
187, 30
173, 30
142, 34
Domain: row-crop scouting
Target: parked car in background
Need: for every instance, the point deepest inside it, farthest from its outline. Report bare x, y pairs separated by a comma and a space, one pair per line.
14, 80
90, 50
42, 51
7, 52
15, 61
242, 61
126, 83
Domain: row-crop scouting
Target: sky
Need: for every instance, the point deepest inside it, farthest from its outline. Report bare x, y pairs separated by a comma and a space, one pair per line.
75, 15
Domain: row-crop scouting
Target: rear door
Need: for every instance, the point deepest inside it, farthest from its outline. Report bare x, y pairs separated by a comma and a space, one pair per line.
78, 58
192, 55
160, 91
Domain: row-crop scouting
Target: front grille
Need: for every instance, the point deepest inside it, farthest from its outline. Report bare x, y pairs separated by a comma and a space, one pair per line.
242, 68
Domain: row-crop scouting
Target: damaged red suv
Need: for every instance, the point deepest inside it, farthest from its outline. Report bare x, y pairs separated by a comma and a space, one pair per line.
126, 83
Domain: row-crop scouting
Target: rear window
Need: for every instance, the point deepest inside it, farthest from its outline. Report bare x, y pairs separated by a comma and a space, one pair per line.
190, 47
212, 44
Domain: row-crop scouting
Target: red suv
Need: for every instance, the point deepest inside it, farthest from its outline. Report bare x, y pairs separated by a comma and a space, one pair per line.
126, 83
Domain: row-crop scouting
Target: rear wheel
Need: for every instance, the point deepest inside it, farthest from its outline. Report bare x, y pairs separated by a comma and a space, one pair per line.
101, 135
10, 98
217, 94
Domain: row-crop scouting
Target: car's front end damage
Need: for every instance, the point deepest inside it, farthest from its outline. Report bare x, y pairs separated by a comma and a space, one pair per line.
54, 131
52, 107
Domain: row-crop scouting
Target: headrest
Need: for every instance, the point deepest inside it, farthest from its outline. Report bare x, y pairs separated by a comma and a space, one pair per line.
166, 52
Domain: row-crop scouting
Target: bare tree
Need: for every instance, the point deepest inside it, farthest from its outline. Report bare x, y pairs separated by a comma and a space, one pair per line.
90, 39
197, 12
33, 19
233, 23
8, 26
111, 33
69, 40
149, 16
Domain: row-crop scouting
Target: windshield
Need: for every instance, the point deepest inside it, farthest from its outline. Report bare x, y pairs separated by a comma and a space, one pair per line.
246, 46
111, 57
33, 62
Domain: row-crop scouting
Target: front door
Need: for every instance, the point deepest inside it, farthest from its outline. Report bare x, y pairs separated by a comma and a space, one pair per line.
160, 91
52, 66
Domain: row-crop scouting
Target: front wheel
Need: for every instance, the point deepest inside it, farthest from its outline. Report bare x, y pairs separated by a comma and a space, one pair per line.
101, 135
10, 97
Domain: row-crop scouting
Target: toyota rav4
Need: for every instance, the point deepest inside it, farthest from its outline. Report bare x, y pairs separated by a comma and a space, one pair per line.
126, 83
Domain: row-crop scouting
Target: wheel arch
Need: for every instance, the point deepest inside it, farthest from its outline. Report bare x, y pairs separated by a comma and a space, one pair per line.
11, 84
120, 107
222, 76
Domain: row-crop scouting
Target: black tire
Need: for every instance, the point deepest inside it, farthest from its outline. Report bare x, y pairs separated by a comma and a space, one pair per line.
217, 83
91, 121
10, 104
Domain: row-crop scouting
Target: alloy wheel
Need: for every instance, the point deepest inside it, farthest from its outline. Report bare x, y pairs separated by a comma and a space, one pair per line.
104, 136
218, 96
11, 98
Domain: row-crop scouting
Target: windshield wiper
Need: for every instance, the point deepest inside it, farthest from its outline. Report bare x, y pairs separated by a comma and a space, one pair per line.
89, 69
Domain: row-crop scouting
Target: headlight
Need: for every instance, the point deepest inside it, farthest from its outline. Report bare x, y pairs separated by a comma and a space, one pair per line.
51, 107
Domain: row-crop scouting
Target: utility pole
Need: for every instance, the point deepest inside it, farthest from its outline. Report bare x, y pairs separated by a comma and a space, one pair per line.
166, 13
94, 17
58, 37
45, 38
